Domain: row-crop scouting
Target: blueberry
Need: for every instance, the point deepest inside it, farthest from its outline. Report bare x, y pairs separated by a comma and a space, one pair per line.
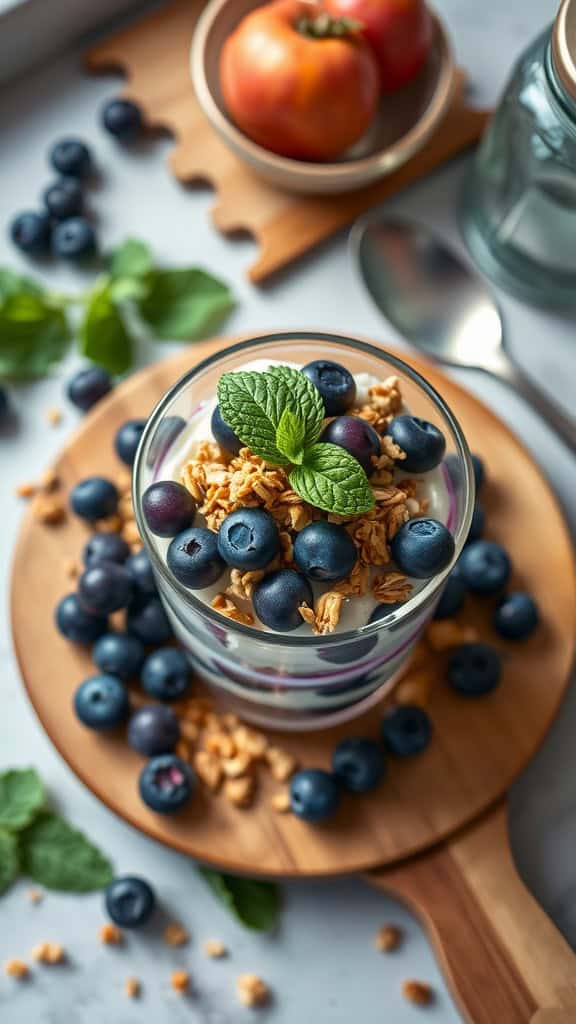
485, 567
516, 617
31, 232
140, 568
71, 157
119, 654
88, 386
168, 508
166, 674
77, 624
105, 547
474, 669
357, 437
127, 440
422, 548
224, 434
406, 730
314, 795
477, 524
325, 551
336, 385
166, 783
164, 436
94, 498
74, 239
352, 651
64, 199
248, 539
194, 559
479, 471
358, 764
153, 729
101, 702
105, 588
129, 901
452, 596
122, 119
423, 443
277, 598
383, 610
149, 622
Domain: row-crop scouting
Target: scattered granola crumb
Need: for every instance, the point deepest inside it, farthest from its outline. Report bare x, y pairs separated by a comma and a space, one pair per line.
111, 524
250, 741
180, 981
251, 990
281, 801
48, 953
48, 509
220, 743
71, 568
240, 792
132, 988
282, 765
418, 992
415, 688
175, 934
214, 949
388, 937
16, 969
110, 934
34, 895
182, 750
25, 490
54, 417
49, 481
235, 767
208, 768
448, 633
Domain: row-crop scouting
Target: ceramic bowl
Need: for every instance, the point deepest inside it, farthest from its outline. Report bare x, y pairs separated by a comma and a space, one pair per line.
405, 120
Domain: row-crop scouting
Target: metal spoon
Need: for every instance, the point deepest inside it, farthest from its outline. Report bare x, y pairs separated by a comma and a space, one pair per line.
431, 296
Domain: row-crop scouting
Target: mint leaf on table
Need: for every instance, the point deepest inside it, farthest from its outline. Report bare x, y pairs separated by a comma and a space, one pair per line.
131, 259
9, 864
59, 857
34, 335
333, 480
21, 798
252, 404
256, 904
184, 304
290, 434
103, 335
305, 400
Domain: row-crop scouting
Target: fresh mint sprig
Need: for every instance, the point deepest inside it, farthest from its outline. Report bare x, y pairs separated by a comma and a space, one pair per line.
278, 414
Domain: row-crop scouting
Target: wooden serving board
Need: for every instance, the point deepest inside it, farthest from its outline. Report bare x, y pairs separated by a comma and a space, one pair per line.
154, 55
479, 747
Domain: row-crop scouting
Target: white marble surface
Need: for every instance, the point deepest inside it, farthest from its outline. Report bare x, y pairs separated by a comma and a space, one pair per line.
321, 963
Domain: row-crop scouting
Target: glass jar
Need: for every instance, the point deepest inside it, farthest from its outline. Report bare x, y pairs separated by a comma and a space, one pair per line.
519, 208
291, 681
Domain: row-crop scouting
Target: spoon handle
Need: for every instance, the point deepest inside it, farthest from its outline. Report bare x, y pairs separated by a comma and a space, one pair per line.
559, 421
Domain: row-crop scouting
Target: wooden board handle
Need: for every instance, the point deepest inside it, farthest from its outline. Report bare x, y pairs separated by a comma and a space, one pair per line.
504, 959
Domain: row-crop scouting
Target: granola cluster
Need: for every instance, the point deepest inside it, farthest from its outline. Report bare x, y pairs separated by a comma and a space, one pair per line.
221, 483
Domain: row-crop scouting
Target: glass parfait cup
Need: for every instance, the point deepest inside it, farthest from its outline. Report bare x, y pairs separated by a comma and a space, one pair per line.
288, 680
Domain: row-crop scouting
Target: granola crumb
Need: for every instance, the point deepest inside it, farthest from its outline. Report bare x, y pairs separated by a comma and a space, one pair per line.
280, 801
208, 768
48, 953
54, 417
132, 988
34, 896
175, 934
180, 981
220, 743
48, 509
71, 568
282, 765
252, 990
25, 490
214, 948
418, 992
236, 767
447, 633
182, 750
110, 934
111, 524
16, 969
240, 792
388, 938
250, 741
391, 588
414, 689
225, 605
49, 481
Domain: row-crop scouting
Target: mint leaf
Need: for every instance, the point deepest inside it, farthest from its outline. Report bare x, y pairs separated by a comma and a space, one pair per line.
9, 866
255, 904
185, 304
131, 289
132, 259
12, 283
252, 404
33, 335
103, 335
305, 400
57, 856
21, 797
290, 434
333, 480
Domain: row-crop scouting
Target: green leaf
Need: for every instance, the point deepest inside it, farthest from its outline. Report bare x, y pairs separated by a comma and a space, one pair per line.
305, 400
290, 435
21, 798
33, 335
252, 404
255, 904
185, 304
9, 865
132, 289
12, 283
132, 259
57, 856
103, 336
333, 480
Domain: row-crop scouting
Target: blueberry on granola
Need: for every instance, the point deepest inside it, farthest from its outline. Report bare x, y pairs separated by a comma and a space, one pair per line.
422, 547
194, 558
168, 508
421, 441
325, 551
248, 539
278, 597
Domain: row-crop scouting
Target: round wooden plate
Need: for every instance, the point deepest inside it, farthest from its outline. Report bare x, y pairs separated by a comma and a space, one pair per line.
479, 747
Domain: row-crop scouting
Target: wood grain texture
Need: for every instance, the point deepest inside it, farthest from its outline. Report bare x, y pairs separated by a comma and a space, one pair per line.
480, 747
154, 55
502, 955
